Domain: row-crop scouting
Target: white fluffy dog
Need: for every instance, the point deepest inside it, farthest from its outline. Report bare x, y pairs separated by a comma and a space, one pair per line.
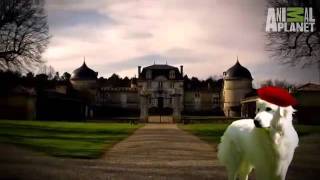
266, 144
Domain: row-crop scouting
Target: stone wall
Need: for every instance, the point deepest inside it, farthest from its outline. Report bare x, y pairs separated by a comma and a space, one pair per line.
233, 92
18, 107
201, 102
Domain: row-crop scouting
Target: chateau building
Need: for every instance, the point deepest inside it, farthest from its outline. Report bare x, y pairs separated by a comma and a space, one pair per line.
161, 89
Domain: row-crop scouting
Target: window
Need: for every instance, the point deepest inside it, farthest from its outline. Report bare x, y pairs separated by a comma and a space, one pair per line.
123, 99
155, 102
197, 94
171, 74
160, 84
149, 84
197, 100
172, 85
107, 96
215, 100
149, 74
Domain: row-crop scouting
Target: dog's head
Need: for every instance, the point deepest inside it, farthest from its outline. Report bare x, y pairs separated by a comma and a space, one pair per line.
268, 114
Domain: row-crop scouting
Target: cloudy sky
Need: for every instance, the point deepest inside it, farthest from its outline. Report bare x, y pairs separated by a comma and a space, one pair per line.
205, 36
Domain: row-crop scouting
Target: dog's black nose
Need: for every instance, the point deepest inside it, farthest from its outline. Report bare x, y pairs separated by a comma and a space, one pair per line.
257, 123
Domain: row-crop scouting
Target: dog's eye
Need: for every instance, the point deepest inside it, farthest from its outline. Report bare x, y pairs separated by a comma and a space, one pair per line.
268, 109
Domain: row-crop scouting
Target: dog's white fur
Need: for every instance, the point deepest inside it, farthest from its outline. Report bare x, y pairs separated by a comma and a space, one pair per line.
268, 149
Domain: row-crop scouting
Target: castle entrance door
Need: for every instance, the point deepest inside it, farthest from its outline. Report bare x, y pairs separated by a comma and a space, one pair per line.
159, 113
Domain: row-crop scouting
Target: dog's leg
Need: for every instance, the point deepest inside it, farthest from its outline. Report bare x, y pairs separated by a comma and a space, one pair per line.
284, 168
229, 155
244, 170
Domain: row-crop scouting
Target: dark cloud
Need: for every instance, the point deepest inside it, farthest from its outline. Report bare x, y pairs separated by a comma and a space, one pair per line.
68, 18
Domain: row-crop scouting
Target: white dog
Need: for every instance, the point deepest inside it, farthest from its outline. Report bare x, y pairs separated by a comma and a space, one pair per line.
266, 144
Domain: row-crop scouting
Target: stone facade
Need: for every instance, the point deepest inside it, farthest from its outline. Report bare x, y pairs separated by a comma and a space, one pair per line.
201, 101
160, 90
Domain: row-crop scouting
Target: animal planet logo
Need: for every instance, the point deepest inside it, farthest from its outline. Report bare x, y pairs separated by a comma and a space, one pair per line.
290, 19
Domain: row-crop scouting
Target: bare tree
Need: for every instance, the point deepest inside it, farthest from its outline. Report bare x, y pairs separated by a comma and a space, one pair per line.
47, 70
297, 48
23, 33
277, 82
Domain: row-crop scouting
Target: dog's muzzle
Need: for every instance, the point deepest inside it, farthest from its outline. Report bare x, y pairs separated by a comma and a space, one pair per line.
257, 123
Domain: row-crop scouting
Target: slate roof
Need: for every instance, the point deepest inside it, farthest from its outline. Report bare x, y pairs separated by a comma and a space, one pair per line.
84, 73
160, 70
309, 87
237, 71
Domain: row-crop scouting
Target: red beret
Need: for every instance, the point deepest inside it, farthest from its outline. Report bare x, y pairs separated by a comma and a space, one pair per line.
277, 96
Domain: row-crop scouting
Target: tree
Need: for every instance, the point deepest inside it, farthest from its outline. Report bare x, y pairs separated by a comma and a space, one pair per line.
114, 80
23, 33
279, 83
297, 48
47, 70
30, 75
56, 76
66, 76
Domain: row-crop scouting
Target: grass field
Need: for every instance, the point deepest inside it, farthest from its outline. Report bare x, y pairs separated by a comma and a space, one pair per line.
67, 139
212, 132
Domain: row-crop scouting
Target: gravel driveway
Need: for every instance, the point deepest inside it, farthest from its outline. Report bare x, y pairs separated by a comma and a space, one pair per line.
162, 151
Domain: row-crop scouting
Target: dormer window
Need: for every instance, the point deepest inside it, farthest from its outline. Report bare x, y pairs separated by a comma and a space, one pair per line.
160, 84
149, 74
172, 75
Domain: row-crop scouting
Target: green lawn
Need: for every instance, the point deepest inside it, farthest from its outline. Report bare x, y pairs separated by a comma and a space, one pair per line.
67, 139
211, 132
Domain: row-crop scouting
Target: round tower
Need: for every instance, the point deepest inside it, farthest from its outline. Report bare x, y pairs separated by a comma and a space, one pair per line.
84, 78
237, 82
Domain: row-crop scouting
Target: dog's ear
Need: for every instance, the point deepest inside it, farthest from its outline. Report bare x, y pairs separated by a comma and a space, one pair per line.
292, 110
282, 111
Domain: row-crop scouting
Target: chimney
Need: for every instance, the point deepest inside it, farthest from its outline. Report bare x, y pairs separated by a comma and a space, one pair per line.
181, 70
139, 71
